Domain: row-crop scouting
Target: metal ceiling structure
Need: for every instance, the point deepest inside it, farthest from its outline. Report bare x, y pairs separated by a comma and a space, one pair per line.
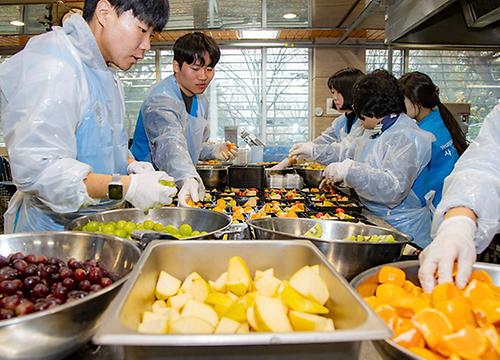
316, 22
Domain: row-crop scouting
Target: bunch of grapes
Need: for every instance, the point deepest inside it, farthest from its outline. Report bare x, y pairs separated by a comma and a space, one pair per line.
34, 283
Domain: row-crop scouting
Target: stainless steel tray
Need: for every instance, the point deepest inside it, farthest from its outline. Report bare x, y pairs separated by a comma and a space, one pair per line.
354, 320
388, 349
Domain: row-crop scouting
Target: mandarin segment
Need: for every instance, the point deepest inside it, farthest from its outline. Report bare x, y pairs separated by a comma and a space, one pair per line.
458, 312
391, 275
433, 324
445, 291
468, 343
387, 292
477, 291
426, 354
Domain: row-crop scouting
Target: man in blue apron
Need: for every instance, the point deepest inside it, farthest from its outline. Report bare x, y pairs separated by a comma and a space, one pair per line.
63, 112
172, 128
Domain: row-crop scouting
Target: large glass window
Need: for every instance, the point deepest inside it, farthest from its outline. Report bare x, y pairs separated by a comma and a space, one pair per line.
379, 59
463, 76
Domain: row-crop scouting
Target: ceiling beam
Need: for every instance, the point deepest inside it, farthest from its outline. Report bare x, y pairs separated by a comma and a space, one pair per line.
363, 15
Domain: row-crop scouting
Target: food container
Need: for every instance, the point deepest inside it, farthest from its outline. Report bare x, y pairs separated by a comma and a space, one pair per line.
249, 176
312, 177
55, 333
348, 257
214, 223
354, 320
388, 349
213, 176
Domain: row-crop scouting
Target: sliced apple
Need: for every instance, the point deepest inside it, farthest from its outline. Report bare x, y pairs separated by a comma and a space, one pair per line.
203, 311
191, 325
238, 276
220, 283
153, 323
271, 315
302, 321
259, 274
188, 282
267, 285
248, 299
236, 312
160, 307
329, 326
307, 282
227, 326
217, 298
299, 302
166, 286
243, 329
251, 318
178, 301
199, 289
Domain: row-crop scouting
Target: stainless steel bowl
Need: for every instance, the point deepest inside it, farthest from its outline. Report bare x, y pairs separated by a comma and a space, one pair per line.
312, 178
348, 257
55, 333
213, 176
388, 349
202, 220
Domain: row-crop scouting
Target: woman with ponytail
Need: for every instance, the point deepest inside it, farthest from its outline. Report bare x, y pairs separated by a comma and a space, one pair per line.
423, 104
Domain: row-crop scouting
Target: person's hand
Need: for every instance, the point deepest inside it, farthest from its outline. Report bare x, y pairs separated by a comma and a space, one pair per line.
454, 242
140, 167
283, 164
336, 172
225, 151
304, 150
191, 190
146, 191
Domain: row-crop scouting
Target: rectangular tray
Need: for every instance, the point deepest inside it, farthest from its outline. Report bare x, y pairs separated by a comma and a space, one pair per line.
353, 319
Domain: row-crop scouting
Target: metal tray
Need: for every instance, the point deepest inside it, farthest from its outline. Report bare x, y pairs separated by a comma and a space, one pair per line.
388, 349
354, 320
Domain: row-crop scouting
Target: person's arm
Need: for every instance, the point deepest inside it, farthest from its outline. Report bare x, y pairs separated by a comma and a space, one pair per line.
165, 126
97, 184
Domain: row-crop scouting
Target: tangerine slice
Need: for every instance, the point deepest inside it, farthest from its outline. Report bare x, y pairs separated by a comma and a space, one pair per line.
391, 275
468, 343
458, 312
373, 301
481, 275
477, 291
487, 312
424, 353
408, 286
491, 334
387, 292
433, 324
408, 305
445, 291
410, 338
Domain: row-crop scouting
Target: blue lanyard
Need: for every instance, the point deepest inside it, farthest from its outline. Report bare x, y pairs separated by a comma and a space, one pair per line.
386, 122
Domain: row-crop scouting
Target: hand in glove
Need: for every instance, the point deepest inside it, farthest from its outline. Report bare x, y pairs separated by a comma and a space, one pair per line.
140, 167
145, 190
336, 172
454, 242
304, 150
191, 190
283, 164
225, 151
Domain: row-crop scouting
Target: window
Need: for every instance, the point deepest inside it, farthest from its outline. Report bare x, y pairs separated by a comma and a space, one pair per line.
463, 76
378, 59
2, 59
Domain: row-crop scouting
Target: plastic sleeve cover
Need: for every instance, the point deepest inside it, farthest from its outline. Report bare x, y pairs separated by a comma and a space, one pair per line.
475, 182
44, 103
329, 135
165, 129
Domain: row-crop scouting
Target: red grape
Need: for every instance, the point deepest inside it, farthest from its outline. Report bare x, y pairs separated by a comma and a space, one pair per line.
80, 275
24, 307
84, 285
95, 275
106, 281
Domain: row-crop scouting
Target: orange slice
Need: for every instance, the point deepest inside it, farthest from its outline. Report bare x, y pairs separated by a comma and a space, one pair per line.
468, 343
424, 353
391, 275
445, 291
387, 292
478, 291
433, 324
458, 312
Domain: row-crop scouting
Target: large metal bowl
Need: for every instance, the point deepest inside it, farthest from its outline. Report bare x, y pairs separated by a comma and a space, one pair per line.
213, 176
202, 220
388, 349
312, 177
55, 333
348, 257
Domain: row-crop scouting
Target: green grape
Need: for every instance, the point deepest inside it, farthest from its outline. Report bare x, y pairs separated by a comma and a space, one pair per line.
166, 183
170, 229
158, 227
108, 228
121, 233
92, 226
195, 233
148, 224
129, 226
120, 224
185, 230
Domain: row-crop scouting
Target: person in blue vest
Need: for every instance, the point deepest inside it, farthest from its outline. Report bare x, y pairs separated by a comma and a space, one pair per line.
340, 85
423, 104
382, 164
63, 112
172, 128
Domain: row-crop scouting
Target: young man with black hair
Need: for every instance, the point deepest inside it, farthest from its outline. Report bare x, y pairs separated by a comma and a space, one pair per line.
383, 164
63, 116
172, 127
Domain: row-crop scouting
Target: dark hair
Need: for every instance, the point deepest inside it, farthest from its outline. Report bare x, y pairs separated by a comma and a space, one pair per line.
420, 90
377, 96
343, 81
191, 48
152, 12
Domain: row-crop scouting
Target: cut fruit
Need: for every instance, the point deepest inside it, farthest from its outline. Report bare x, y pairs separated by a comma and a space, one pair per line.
178, 301
200, 310
166, 286
316, 231
298, 302
433, 324
227, 326
238, 276
310, 284
153, 323
271, 315
307, 322
468, 343
392, 275
191, 325
267, 285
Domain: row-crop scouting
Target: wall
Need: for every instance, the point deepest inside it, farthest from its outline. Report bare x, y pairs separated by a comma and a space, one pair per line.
326, 61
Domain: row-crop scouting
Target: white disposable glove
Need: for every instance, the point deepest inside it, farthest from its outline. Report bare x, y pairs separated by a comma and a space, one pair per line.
336, 172
222, 152
140, 167
192, 189
145, 190
454, 242
304, 150
283, 164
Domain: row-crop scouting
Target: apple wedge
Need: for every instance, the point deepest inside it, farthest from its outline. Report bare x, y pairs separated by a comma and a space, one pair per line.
166, 286
307, 322
227, 326
267, 285
191, 325
307, 282
271, 315
153, 323
238, 276
298, 302
200, 310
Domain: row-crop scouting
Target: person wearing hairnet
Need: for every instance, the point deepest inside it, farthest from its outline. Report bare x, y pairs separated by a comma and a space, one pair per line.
383, 163
468, 216
423, 104
63, 112
172, 128
340, 84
